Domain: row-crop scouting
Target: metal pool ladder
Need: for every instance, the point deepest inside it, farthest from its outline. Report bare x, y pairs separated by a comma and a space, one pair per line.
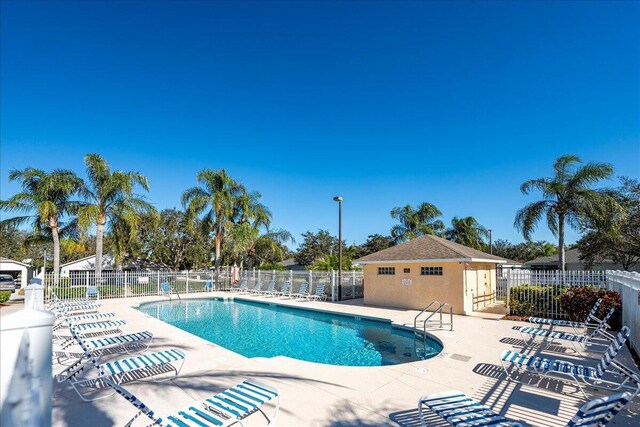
440, 307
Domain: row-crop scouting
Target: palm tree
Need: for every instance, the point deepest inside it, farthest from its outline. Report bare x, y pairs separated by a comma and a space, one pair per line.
217, 195
111, 200
249, 208
567, 197
415, 223
244, 238
467, 231
45, 199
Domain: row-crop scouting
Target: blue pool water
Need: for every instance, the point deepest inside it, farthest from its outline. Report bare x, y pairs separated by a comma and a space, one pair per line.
263, 330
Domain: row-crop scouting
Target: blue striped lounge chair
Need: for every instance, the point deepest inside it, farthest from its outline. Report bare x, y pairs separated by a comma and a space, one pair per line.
591, 321
271, 287
592, 376
220, 410
318, 294
529, 334
71, 301
108, 327
149, 365
138, 341
76, 310
460, 410
302, 291
284, 290
62, 320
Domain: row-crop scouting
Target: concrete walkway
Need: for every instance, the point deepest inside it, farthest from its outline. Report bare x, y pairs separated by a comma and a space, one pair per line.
323, 395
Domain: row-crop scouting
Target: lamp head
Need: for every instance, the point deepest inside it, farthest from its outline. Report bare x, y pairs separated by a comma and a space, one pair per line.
337, 199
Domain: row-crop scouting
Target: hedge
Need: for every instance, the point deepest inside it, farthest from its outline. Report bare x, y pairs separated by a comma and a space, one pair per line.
577, 303
533, 300
4, 296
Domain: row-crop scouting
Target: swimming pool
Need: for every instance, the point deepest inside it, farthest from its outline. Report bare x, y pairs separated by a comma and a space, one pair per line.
267, 330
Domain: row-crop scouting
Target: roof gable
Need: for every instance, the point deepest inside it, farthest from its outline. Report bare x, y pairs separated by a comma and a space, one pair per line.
428, 248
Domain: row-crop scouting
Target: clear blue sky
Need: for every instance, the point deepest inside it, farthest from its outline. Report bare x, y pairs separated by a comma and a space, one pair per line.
384, 103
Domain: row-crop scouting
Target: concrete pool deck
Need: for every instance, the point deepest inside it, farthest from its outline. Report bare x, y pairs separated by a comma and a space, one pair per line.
325, 395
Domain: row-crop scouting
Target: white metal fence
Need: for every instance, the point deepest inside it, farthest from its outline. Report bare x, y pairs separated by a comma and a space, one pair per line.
352, 281
544, 301
127, 284
627, 284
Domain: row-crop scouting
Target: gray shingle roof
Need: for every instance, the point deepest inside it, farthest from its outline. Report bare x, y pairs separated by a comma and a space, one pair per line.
572, 256
429, 248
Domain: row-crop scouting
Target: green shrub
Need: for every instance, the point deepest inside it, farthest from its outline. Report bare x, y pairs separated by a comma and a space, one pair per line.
577, 303
533, 300
4, 296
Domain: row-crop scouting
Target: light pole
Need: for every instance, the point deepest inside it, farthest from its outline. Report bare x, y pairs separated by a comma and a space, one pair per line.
339, 200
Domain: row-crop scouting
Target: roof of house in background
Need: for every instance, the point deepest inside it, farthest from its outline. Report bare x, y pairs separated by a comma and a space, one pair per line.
572, 256
108, 263
291, 264
13, 261
430, 248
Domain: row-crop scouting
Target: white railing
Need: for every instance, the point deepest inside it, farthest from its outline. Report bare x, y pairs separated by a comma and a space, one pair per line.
627, 284
127, 284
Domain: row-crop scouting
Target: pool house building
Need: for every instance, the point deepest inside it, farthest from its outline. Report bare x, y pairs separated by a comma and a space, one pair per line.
429, 268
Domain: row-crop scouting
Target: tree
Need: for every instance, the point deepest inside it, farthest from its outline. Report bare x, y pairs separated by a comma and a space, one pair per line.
416, 222
45, 201
244, 239
171, 242
467, 231
216, 198
330, 262
315, 246
616, 236
110, 200
567, 198
525, 251
375, 243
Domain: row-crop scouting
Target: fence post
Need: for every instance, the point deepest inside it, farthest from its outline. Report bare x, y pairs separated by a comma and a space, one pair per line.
187, 285
333, 286
87, 282
158, 282
310, 281
353, 283
126, 284
508, 291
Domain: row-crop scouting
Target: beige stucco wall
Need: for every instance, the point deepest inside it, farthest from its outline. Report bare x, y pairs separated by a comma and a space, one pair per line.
457, 285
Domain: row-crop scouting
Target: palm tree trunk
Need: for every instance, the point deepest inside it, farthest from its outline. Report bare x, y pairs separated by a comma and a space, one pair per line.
56, 255
218, 237
99, 241
561, 258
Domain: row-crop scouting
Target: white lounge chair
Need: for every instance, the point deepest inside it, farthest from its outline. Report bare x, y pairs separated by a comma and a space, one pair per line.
460, 410
318, 294
592, 376
241, 286
302, 291
220, 410
131, 368
271, 286
284, 290
258, 288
